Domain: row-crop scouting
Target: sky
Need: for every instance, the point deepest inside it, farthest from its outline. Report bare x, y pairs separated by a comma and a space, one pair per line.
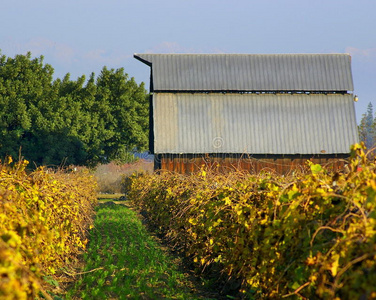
82, 36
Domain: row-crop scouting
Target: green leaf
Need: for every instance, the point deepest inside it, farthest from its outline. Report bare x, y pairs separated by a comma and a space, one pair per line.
316, 168
295, 286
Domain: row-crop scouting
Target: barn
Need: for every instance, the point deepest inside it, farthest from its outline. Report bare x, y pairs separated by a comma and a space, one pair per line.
250, 111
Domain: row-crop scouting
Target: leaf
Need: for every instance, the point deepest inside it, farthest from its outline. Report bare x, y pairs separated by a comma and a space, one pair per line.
316, 168
293, 194
295, 286
227, 201
335, 264
216, 223
192, 221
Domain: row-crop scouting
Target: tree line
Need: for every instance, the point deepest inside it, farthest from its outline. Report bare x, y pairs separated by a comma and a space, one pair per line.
81, 122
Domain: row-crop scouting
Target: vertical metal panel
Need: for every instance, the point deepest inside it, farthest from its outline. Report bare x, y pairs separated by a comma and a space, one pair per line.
254, 123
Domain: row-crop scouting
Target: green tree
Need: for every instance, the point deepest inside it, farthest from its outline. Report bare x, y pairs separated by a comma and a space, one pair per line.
55, 121
123, 113
367, 128
24, 85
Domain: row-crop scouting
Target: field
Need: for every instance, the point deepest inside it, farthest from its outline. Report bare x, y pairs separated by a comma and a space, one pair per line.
56, 242
308, 236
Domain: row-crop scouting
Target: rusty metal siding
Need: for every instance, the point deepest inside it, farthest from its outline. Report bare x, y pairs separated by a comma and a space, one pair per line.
253, 123
281, 164
250, 72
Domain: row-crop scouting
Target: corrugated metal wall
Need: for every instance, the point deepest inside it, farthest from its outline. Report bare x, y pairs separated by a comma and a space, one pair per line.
254, 123
250, 72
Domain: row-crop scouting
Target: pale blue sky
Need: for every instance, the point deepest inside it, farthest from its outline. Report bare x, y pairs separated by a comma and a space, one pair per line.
82, 36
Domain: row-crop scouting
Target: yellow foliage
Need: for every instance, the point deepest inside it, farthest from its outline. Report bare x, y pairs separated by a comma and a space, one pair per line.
38, 213
311, 235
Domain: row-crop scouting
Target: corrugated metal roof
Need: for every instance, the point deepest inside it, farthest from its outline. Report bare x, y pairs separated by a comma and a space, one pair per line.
249, 72
254, 123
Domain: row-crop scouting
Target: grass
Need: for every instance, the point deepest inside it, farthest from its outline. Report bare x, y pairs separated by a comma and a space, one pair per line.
109, 197
123, 261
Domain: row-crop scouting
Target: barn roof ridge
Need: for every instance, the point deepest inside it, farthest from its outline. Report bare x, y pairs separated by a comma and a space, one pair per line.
233, 53
249, 72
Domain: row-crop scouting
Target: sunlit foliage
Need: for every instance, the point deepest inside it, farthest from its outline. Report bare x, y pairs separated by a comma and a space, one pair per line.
43, 221
308, 236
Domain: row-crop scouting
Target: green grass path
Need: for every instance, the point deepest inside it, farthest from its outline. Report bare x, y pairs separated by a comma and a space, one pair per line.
123, 261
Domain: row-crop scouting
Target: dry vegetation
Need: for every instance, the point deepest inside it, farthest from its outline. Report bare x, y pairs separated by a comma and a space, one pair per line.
109, 176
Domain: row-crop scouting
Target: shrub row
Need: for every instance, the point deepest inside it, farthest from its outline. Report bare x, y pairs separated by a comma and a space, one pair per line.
307, 236
43, 221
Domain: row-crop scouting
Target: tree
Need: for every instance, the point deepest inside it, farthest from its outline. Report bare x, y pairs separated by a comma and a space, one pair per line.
123, 113
55, 121
367, 128
24, 85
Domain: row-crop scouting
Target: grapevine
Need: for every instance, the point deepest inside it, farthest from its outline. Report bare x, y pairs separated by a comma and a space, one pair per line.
43, 221
309, 235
